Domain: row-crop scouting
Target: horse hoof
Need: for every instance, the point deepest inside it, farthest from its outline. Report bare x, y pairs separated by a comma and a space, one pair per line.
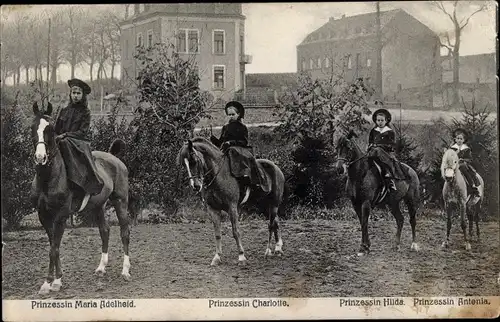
242, 260
100, 272
467, 246
396, 248
415, 247
44, 289
268, 253
278, 253
126, 276
215, 261
361, 254
444, 245
56, 285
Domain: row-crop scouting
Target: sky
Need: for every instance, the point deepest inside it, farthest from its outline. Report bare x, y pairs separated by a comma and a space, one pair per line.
273, 30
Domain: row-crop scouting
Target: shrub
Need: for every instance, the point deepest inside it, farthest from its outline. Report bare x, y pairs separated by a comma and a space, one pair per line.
17, 164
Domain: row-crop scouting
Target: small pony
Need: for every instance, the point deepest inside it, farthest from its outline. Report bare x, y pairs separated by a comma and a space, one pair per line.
52, 197
210, 174
365, 189
456, 197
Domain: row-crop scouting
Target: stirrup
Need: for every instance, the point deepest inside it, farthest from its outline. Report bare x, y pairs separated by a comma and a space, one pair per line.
247, 194
84, 202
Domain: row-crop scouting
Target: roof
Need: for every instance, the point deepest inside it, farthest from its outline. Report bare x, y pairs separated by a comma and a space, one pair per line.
271, 80
352, 26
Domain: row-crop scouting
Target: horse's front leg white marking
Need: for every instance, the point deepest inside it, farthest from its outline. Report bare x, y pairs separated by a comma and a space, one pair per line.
56, 285
191, 181
45, 289
415, 247
102, 264
126, 267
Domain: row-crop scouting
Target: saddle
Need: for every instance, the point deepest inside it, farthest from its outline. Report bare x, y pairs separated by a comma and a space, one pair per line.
384, 190
243, 164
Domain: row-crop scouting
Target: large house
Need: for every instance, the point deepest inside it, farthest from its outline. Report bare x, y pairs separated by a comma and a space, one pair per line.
213, 34
348, 46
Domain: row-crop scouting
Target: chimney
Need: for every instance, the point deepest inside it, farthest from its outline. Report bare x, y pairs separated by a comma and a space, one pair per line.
343, 16
331, 19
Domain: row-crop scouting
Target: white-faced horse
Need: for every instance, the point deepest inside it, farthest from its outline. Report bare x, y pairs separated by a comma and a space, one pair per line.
456, 197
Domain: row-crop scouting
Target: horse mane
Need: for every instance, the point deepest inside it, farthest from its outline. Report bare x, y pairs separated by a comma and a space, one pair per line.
205, 145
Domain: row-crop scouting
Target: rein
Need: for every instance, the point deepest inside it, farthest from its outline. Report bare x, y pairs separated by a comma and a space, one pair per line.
208, 172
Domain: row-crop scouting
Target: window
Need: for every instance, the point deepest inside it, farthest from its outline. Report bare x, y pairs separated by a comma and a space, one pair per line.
319, 62
349, 62
327, 62
219, 76
150, 38
218, 40
188, 41
368, 62
311, 64
139, 39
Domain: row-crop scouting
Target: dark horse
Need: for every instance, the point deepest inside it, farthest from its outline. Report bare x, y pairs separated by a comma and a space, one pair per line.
364, 185
209, 173
54, 200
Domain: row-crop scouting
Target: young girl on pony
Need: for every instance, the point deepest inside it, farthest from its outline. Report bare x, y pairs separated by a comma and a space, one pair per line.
465, 158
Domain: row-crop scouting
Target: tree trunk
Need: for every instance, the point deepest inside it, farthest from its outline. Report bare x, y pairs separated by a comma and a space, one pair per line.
91, 71
112, 70
53, 75
18, 75
27, 75
456, 65
378, 71
73, 64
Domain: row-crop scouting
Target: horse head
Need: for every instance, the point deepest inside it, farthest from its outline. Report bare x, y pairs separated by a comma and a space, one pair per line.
449, 164
346, 151
195, 164
42, 134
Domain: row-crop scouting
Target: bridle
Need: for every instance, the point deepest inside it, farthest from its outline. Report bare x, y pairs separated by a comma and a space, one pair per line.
348, 159
199, 161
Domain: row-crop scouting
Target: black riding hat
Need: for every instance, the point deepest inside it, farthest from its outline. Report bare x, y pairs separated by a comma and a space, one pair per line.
238, 106
461, 131
79, 83
383, 111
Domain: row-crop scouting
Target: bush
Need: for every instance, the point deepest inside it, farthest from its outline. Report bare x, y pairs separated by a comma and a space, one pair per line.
17, 164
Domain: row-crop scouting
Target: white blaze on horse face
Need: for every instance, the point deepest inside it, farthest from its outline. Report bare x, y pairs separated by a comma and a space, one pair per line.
191, 181
40, 152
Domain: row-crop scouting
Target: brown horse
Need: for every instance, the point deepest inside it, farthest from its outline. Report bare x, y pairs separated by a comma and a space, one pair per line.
209, 173
54, 200
365, 189
455, 196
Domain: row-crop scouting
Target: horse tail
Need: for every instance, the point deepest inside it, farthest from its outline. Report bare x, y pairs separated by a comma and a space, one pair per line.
117, 148
284, 201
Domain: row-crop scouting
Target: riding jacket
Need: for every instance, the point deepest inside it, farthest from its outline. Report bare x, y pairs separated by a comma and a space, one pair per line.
233, 134
464, 153
384, 138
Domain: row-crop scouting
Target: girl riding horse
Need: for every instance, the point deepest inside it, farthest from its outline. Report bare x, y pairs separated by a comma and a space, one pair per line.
381, 144
465, 158
234, 141
72, 129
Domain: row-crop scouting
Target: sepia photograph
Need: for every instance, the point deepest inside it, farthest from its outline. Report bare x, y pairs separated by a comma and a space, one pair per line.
236, 161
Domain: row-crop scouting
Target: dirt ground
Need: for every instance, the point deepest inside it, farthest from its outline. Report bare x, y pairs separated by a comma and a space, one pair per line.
173, 261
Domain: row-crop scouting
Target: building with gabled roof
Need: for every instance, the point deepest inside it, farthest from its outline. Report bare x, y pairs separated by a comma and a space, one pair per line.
212, 34
347, 45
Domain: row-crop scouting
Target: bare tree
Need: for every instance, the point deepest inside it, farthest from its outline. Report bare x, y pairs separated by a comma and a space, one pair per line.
459, 21
112, 29
90, 45
74, 35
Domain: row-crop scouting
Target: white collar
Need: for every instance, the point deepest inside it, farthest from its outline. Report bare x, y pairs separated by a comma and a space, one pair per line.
460, 148
383, 130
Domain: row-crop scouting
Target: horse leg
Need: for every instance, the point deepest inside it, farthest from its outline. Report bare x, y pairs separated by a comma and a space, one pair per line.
121, 208
477, 209
470, 219
46, 221
233, 215
363, 212
104, 232
412, 210
216, 220
274, 228
59, 226
396, 212
463, 224
448, 211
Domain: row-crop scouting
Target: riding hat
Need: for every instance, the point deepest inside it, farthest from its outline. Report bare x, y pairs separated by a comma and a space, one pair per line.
79, 83
386, 113
238, 106
461, 131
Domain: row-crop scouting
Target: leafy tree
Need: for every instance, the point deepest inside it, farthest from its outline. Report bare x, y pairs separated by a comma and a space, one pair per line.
17, 164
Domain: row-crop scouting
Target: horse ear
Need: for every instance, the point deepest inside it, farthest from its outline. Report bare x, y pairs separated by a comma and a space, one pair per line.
36, 110
49, 109
445, 149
